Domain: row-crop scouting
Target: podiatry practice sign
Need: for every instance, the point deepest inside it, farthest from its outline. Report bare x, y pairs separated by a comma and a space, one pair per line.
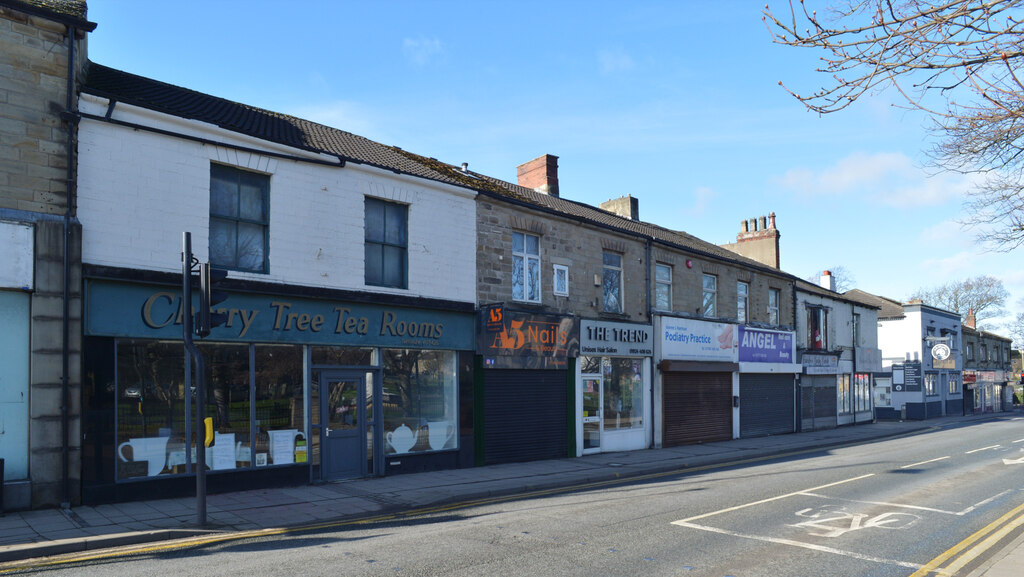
692, 340
765, 346
145, 311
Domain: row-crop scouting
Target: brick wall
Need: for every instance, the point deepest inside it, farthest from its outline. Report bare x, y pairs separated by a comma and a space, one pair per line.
33, 138
580, 247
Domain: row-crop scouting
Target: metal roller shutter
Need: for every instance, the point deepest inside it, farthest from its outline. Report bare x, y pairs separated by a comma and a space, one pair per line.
767, 405
697, 408
526, 416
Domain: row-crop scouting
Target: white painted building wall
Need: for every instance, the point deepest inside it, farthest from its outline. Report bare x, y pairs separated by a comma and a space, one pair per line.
138, 191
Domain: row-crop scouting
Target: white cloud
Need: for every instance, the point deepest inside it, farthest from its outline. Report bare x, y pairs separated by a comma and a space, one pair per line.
702, 198
420, 51
614, 60
887, 178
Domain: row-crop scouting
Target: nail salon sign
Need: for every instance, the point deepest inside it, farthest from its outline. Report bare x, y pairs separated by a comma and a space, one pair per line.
690, 340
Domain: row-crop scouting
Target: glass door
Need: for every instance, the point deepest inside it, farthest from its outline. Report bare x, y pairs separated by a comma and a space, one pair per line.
343, 414
593, 424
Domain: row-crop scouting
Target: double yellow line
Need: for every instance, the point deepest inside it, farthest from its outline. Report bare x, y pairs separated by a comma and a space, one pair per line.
958, 556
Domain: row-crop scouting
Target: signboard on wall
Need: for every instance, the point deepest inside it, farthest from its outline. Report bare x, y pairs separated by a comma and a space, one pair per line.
868, 360
518, 339
906, 377
820, 364
766, 346
610, 339
143, 311
692, 340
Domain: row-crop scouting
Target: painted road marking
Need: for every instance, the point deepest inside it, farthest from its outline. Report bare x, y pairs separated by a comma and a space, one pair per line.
1019, 461
793, 543
983, 449
973, 546
923, 463
832, 523
769, 500
885, 504
1019, 441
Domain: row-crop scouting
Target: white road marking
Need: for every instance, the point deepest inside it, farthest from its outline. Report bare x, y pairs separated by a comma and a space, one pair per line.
769, 500
923, 463
983, 449
1019, 461
1019, 441
900, 505
792, 543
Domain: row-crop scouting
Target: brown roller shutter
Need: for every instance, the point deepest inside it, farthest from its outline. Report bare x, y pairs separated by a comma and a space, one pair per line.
697, 408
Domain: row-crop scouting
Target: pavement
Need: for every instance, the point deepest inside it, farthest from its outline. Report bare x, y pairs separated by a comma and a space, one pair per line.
26, 535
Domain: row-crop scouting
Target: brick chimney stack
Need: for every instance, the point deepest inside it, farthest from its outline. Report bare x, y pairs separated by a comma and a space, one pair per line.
540, 174
971, 321
758, 239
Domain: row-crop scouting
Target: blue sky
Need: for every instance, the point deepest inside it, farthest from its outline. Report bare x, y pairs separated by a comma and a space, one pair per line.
676, 103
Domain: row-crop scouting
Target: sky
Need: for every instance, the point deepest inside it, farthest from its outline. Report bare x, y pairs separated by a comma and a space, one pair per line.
676, 103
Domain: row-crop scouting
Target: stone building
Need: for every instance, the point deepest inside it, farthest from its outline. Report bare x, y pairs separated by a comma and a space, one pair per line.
42, 54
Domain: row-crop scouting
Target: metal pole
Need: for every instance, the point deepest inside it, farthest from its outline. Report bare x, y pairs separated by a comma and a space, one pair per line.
193, 351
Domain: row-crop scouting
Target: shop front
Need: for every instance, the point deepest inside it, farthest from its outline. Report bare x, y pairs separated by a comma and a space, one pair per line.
699, 385
613, 401
984, 391
525, 386
299, 389
767, 381
820, 386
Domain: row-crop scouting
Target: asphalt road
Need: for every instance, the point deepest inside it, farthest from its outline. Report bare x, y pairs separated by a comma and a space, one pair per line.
881, 509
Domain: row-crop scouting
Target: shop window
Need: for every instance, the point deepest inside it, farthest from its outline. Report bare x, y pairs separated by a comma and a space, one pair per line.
623, 394
774, 298
280, 422
710, 295
560, 282
931, 384
150, 409
663, 287
862, 392
883, 393
742, 298
954, 385
817, 328
421, 395
228, 401
844, 398
612, 283
239, 218
386, 243
525, 267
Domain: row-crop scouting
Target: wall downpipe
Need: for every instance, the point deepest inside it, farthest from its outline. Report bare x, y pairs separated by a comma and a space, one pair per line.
65, 321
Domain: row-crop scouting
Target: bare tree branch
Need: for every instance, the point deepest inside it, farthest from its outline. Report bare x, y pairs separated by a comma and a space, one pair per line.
956, 60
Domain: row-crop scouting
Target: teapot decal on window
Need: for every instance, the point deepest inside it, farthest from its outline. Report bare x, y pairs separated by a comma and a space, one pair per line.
402, 439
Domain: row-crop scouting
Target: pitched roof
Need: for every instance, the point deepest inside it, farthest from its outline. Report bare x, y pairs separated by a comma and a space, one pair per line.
302, 134
809, 287
71, 12
888, 308
244, 119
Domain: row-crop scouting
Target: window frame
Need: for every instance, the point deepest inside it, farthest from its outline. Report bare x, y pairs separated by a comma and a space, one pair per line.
530, 286
774, 312
742, 301
709, 295
384, 243
560, 270
664, 284
616, 270
820, 315
235, 220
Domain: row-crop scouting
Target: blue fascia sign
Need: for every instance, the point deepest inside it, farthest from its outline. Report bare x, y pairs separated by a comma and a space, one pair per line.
147, 311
